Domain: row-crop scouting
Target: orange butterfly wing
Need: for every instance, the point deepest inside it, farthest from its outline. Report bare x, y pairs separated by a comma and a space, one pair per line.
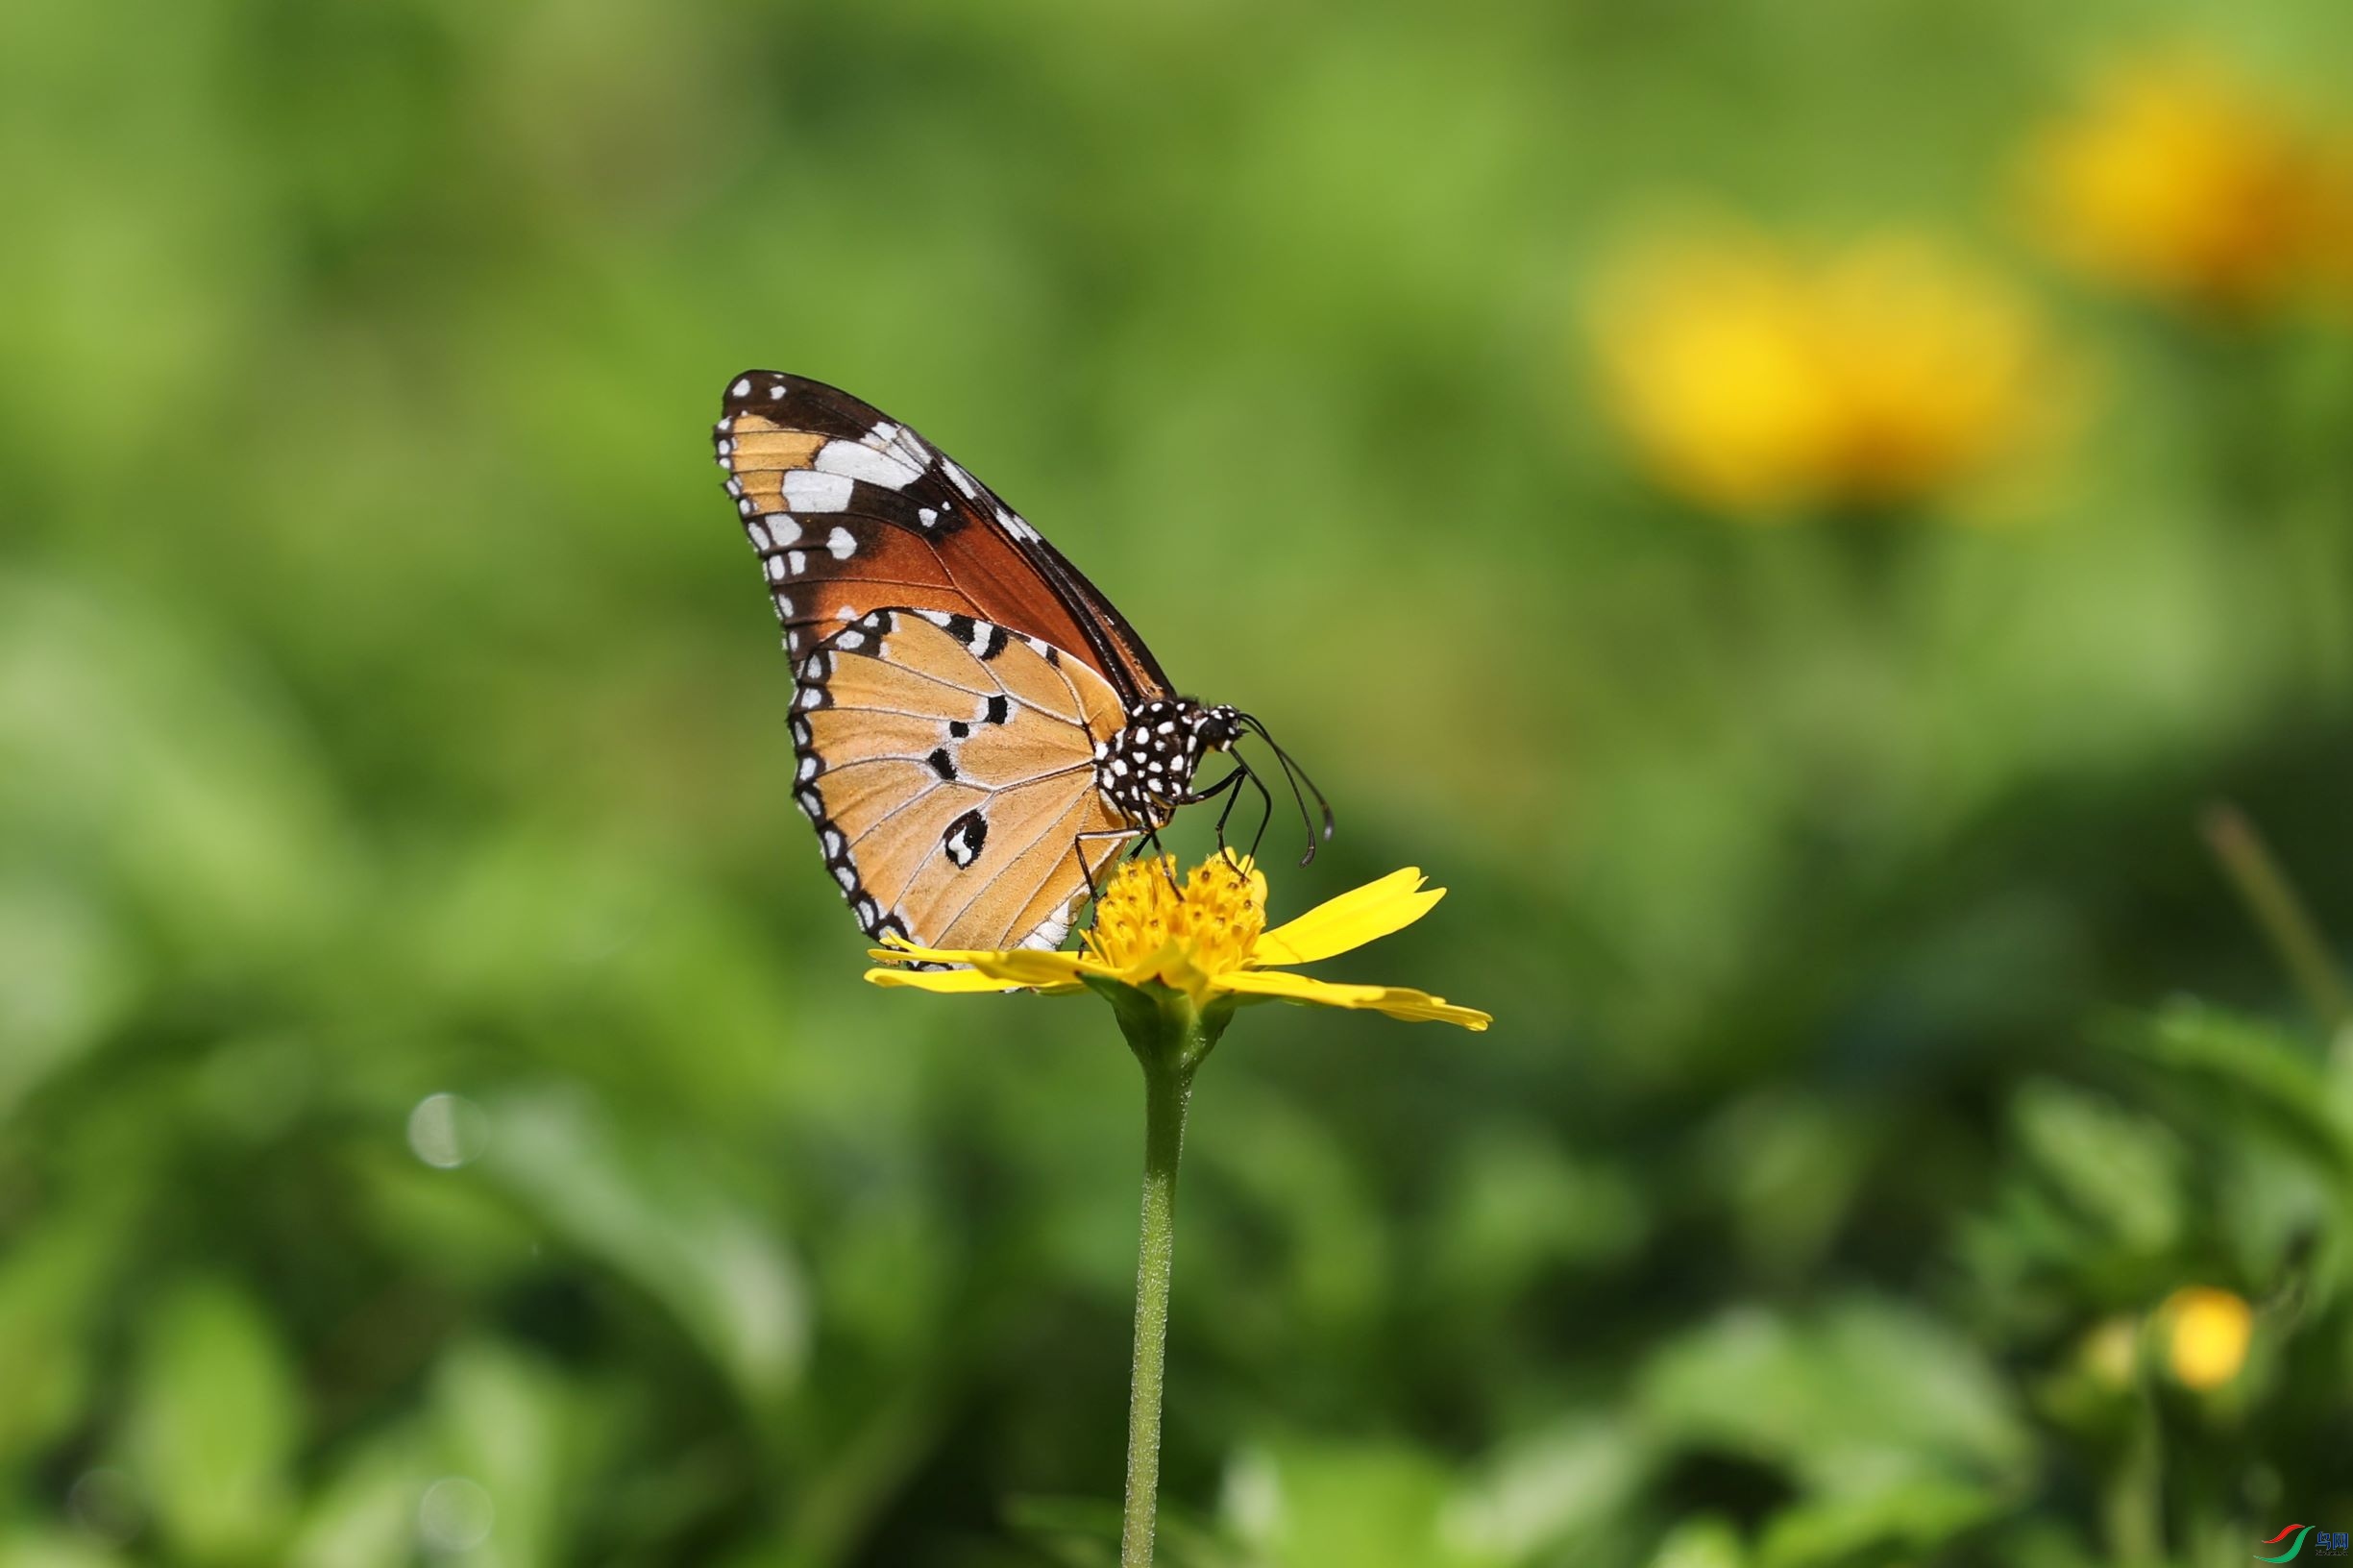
949, 765
850, 512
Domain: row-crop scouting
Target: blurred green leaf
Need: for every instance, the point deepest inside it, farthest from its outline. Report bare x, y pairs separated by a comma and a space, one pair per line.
2254, 1065
65, 979
1297, 1503
1900, 1524
364, 1512
1857, 1399
1520, 1205
214, 1423
509, 1435
1701, 1543
133, 758
2122, 1168
647, 1211
52, 1293
36, 1549
1558, 1491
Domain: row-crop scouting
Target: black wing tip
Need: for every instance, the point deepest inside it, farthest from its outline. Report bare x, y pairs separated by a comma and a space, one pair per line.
749, 388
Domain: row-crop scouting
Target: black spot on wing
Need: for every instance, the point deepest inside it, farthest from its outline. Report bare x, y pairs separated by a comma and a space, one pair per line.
965, 837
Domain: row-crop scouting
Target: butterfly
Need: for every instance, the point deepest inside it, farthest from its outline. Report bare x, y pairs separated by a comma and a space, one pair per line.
977, 731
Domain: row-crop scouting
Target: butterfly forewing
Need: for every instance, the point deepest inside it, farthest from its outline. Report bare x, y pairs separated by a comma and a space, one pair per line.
852, 512
948, 764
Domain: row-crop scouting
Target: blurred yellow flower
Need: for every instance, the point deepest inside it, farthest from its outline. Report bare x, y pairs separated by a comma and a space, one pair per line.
2207, 1336
2180, 181
1206, 938
1756, 382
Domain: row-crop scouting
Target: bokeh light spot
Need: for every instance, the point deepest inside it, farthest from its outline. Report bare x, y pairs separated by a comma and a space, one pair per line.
454, 1515
447, 1131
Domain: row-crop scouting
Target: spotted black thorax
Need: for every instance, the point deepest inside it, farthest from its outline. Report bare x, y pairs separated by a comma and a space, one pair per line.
1146, 769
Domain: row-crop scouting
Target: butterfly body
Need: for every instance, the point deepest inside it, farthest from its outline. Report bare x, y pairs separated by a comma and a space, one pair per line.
977, 731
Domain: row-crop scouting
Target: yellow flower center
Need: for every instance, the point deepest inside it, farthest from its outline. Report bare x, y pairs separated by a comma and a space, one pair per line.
1209, 922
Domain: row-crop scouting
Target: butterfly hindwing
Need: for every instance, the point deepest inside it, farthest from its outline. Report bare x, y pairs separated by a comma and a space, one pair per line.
950, 767
851, 511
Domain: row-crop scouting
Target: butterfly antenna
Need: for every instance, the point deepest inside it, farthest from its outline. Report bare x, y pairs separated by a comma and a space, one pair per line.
1225, 786
1295, 776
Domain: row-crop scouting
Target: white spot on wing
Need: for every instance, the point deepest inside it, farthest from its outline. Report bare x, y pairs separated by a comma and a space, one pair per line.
841, 543
1049, 934
854, 460
743, 385
961, 480
809, 491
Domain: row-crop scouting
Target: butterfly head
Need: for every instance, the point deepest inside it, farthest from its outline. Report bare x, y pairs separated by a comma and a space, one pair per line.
1146, 769
1215, 730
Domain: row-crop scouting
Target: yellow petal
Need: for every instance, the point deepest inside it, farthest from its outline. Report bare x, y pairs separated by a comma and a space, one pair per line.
1413, 1006
1029, 966
896, 949
948, 982
1350, 921
1018, 966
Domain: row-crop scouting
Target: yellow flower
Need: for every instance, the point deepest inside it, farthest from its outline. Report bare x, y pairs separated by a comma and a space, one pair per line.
1764, 386
2207, 1332
2179, 181
1206, 939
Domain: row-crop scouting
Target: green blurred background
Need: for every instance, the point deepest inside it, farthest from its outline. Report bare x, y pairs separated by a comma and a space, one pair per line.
440, 1117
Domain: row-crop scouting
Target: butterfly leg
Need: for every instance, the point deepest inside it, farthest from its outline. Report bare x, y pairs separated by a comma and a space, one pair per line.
1161, 858
1078, 849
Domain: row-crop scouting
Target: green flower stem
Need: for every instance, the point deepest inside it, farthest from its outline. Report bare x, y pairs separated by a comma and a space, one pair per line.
1166, 1090
1170, 1039
2278, 910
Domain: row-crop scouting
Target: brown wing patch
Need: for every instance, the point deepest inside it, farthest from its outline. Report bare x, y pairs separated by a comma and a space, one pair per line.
950, 775
851, 512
